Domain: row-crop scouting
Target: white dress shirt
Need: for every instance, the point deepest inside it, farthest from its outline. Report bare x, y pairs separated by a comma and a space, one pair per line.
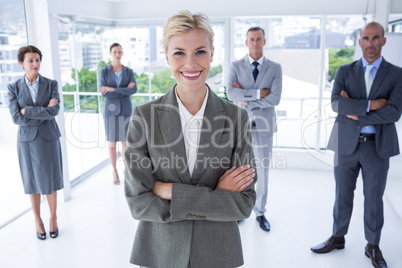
33, 88
191, 127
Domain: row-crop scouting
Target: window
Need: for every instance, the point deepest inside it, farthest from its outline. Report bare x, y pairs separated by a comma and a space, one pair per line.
295, 43
12, 36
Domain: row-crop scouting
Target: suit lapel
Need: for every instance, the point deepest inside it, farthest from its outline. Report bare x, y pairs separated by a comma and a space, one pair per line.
111, 77
41, 90
172, 134
124, 76
361, 84
249, 71
25, 92
213, 110
381, 73
263, 69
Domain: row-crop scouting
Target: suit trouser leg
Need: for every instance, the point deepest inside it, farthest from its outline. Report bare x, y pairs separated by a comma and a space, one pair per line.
262, 148
346, 171
374, 173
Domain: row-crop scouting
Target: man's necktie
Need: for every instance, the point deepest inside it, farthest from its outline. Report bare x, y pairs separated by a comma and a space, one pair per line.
255, 71
368, 78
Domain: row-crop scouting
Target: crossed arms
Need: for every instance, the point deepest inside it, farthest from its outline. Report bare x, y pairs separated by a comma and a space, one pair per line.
380, 111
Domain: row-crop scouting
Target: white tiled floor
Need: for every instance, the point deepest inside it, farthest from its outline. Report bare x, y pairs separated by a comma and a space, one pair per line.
96, 229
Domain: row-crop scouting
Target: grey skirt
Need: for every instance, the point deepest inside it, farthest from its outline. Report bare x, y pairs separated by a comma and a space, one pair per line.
40, 165
116, 127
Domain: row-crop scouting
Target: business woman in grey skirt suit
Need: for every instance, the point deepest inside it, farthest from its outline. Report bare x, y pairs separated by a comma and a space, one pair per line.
117, 84
189, 177
34, 103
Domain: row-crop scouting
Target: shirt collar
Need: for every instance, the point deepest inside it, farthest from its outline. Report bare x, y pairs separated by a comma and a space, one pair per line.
185, 114
253, 60
29, 82
376, 64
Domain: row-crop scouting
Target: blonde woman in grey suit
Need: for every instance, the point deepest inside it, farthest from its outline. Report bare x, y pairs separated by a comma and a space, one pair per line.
189, 175
117, 84
34, 104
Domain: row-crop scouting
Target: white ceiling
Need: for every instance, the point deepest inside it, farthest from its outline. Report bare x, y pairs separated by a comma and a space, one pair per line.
161, 9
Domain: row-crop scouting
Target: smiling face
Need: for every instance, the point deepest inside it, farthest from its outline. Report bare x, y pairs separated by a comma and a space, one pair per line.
371, 42
116, 53
255, 43
31, 64
189, 56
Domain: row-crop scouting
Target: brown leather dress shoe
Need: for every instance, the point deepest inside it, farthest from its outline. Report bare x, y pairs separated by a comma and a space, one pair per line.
374, 253
332, 243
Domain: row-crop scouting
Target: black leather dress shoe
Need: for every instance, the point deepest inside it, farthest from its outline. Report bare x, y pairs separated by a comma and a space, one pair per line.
264, 224
374, 253
332, 243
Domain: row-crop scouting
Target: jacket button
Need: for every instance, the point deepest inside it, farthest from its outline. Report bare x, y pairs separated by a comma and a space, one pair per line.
112, 107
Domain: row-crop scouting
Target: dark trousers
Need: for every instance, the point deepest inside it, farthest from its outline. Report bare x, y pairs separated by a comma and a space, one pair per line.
374, 172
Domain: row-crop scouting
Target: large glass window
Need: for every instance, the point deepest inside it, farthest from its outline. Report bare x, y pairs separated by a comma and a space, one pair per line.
84, 50
295, 43
81, 53
13, 35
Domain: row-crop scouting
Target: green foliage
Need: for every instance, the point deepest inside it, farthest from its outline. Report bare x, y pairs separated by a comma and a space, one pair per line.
215, 70
338, 57
162, 81
87, 82
223, 94
89, 104
68, 101
142, 82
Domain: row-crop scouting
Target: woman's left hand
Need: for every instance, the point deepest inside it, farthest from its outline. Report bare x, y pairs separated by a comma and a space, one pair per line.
22, 111
53, 102
163, 190
106, 89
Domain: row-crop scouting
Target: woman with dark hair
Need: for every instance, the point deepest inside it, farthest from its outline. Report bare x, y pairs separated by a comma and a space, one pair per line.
34, 104
117, 84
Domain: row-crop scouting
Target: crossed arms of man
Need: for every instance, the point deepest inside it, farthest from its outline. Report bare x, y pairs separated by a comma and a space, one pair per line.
367, 112
268, 97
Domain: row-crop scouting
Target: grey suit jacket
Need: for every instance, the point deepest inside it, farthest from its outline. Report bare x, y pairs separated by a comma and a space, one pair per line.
262, 110
387, 84
199, 225
117, 102
38, 118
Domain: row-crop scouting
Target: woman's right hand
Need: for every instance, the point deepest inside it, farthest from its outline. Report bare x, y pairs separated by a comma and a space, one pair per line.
53, 102
236, 180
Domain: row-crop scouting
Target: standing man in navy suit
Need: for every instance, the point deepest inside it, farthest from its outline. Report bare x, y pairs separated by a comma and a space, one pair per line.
367, 96
255, 84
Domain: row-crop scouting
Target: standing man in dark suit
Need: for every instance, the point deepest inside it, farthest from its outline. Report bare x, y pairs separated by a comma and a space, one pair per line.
367, 96
255, 84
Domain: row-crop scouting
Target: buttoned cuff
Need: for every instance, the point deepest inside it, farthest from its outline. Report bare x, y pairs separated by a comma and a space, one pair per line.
258, 94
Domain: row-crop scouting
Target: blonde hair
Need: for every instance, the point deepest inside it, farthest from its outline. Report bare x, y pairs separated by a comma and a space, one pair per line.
184, 21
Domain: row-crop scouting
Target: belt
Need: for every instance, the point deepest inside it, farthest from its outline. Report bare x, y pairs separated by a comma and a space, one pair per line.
366, 137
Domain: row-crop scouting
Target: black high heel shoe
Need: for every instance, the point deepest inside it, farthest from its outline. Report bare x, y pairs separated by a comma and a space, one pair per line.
53, 234
41, 236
